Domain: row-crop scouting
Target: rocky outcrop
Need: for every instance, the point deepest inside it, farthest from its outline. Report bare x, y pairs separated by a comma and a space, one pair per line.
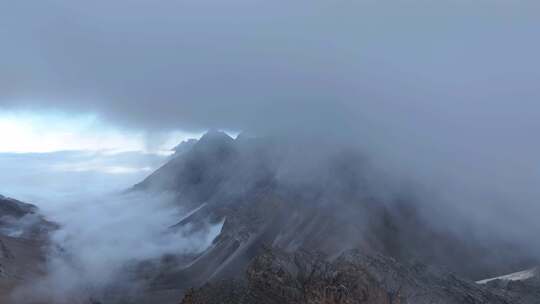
23, 237
523, 286
22, 220
275, 277
15, 208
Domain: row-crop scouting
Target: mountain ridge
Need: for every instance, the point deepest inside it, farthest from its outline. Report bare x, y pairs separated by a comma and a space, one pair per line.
252, 185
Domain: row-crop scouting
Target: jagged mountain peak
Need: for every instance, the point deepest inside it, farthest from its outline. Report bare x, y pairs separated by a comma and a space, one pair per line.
214, 145
215, 136
210, 138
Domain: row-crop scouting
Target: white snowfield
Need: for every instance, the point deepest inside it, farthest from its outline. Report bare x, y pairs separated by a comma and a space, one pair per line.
516, 276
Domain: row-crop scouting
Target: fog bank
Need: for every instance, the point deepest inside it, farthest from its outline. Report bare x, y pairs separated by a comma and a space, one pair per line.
96, 252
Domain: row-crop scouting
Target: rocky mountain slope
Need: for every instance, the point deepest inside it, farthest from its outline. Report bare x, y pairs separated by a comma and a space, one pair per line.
303, 277
524, 286
23, 236
271, 192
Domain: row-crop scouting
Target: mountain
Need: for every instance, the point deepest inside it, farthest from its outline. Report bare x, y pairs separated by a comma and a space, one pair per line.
23, 237
15, 208
272, 192
22, 220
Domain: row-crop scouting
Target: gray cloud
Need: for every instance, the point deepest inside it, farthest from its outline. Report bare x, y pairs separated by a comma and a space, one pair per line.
257, 65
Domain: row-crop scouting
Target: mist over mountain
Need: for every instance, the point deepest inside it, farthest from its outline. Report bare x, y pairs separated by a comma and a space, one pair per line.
218, 202
353, 152
359, 205
272, 195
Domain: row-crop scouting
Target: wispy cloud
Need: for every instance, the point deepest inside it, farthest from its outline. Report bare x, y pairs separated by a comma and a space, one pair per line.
102, 237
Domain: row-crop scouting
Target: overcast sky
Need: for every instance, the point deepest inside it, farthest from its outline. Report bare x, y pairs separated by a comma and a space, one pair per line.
254, 64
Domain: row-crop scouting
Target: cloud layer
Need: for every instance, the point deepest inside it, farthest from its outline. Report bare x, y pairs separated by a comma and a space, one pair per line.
256, 65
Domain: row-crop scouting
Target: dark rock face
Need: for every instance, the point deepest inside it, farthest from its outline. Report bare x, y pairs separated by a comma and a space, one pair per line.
15, 208
276, 277
22, 220
197, 171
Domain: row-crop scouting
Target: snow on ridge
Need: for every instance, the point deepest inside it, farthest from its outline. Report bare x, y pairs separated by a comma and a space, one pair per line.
516, 276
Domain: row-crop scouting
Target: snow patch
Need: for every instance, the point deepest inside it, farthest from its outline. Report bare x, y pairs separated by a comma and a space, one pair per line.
516, 276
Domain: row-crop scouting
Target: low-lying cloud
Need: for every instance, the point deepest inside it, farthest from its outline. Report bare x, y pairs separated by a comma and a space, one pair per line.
95, 252
103, 235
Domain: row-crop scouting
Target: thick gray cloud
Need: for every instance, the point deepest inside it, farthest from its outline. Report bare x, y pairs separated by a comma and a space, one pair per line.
258, 65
